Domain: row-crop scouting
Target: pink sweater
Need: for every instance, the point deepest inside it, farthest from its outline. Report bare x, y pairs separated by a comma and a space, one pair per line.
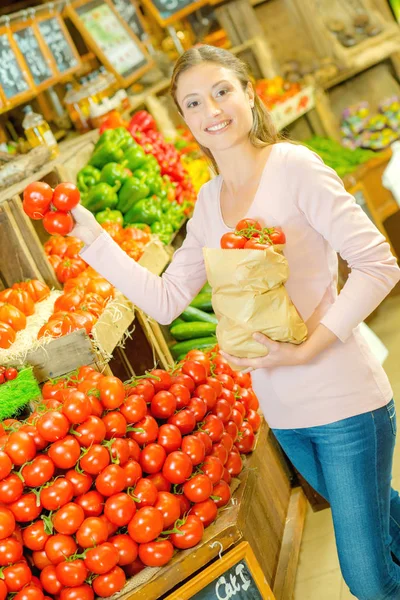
306, 198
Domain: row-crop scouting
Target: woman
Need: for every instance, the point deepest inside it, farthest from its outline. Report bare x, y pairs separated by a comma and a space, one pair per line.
328, 400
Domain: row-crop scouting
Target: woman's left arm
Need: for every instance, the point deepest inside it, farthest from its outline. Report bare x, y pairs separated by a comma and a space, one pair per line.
320, 195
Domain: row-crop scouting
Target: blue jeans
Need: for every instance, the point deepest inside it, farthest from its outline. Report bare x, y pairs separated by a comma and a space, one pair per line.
350, 463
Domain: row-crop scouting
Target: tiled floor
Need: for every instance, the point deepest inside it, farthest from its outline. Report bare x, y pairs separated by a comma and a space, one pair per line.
318, 575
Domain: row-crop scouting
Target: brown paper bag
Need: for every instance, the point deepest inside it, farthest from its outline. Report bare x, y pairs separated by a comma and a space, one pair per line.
248, 296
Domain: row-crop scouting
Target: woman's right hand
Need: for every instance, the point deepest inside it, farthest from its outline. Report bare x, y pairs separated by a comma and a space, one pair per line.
86, 227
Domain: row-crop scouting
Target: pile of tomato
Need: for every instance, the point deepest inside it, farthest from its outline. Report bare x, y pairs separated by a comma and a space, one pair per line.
106, 478
41, 202
7, 374
249, 234
17, 303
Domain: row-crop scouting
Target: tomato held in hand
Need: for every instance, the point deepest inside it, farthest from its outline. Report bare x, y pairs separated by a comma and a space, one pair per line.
36, 200
66, 196
277, 236
255, 244
55, 221
248, 224
232, 240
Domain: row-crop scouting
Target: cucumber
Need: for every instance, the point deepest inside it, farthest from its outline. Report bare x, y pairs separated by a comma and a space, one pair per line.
207, 289
194, 314
203, 302
189, 331
178, 321
196, 344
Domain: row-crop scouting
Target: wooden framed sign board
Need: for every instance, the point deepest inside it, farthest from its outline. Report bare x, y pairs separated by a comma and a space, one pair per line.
236, 575
30, 43
59, 44
110, 38
129, 13
168, 11
15, 82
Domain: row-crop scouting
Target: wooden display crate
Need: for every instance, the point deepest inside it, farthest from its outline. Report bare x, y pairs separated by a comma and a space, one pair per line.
264, 512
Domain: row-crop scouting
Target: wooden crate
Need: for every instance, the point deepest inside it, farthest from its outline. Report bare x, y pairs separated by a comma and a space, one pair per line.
264, 511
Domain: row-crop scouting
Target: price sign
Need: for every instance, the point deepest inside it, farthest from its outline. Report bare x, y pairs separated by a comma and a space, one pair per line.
14, 80
129, 13
60, 44
236, 575
168, 11
110, 38
38, 64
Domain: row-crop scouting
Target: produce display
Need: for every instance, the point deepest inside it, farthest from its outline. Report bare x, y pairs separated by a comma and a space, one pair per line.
195, 328
135, 178
276, 90
41, 202
343, 160
105, 478
16, 304
361, 127
247, 275
192, 158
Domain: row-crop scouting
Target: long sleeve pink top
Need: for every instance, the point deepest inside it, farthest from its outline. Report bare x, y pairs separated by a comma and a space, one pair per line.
299, 193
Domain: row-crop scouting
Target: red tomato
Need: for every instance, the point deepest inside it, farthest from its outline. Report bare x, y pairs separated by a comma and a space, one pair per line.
134, 408
243, 379
39, 471
72, 573
112, 392
144, 388
198, 407
10, 551
277, 236
216, 384
115, 424
232, 429
146, 525
206, 511
35, 535
81, 482
81, 592
127, 548
226, 380
254, 418
205, 438
200, 357
246, 441
36, 200
17, 576
234, 464
93, 531
3, 590
207, 393
145, 493
55, 221
133, 472
26, 508
255, 244
12, 373
185, 380
50, 581
163, 404
77, 407
52, 426
5, 465
214, 427
65, 453
220, 452
232, 241
109, 584
195, 370
68, 519
223, 410
177, 467
158, 479
184, 420
213, 468
237, 417
119, 509
181, 394
198, 489
111, 480
40, 559
58, 493
170, 507
91, 431
156, 554
185, 505
228, 395
147, 431
169, 437
30, 592
227, 441
160, 379
226, 476
7, 522
152, 457
66, 196
248, 224
11, 489
96, 458
223, 492
20, 447
58, 547
191, 532
102, 559
91, 502
194, 448
120, 451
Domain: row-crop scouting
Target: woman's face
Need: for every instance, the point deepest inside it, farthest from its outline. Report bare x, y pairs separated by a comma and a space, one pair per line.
215, 107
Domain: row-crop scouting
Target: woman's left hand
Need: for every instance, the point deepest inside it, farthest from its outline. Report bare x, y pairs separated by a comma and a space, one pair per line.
279, 355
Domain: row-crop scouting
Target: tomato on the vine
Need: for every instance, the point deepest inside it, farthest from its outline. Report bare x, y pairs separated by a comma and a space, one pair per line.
37, 198
191, 532
59, 547
17, 576
248, 224
35, 536
206, 511
66, 196
232, 240
92, 532
71, 573
160, 379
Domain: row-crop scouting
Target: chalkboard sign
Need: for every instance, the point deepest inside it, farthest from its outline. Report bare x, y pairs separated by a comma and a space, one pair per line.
129, 14
168, 11
29, 47
13, 80
235, 576
110, 38
59, 43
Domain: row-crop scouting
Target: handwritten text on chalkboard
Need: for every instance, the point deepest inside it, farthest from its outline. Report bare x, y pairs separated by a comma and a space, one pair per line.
58, 45
128, 13
29, 47
236, 583
12, 79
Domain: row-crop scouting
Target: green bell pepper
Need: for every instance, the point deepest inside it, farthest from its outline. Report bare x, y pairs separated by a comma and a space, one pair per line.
113, 172
101, 196
174, 215
163, 230
106, 153
131, 192
87, 177
154, 183
110, 216
145, 211
135, 157
117, 136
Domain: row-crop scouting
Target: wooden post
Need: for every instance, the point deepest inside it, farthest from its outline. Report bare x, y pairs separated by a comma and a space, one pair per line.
324, 111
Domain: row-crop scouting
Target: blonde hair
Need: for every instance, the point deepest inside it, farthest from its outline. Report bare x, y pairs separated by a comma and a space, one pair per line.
263, 132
